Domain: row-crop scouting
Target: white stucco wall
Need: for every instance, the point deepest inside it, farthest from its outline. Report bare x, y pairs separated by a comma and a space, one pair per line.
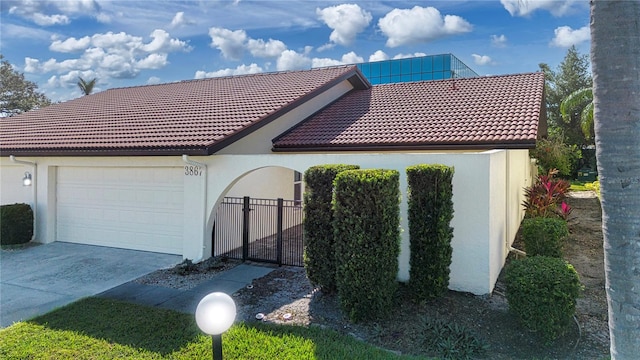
484, 222
11, 189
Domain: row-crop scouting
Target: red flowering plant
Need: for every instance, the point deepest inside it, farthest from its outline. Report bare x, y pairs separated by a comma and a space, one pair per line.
545, 198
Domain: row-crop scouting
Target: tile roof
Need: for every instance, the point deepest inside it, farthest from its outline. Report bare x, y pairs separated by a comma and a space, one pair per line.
195, 117
483, 112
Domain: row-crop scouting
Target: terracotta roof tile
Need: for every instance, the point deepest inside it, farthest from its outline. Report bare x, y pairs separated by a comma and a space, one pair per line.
491, 111
191, 116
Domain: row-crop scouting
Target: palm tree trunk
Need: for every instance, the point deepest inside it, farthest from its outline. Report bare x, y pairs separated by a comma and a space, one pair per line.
615, 55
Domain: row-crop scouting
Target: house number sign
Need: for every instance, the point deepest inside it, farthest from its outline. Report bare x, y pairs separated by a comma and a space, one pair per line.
191, 170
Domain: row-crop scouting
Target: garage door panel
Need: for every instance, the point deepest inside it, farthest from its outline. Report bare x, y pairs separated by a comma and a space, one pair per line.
135, 208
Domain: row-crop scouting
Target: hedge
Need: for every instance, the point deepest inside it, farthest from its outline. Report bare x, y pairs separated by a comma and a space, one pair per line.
430, 213
367, 241
16, 224
544, 236
319, 260
542, 293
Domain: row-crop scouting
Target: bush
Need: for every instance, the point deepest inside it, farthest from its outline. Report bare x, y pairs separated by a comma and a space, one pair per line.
430, 214
542, 293
16, 224
367, 241
553, 153
451, 341
544, 236
319, 260
545, 198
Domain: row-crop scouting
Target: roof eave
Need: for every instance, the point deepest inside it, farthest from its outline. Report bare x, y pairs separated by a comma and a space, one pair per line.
176, 151
407, 147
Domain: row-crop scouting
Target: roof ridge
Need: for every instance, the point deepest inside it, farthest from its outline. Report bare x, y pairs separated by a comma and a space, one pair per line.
233, 77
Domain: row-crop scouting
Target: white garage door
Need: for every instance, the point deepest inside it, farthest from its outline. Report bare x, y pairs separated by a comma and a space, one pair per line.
132, 208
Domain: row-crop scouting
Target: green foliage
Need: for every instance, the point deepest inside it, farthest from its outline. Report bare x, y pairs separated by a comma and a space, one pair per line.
101, 329
545, 198
553, 153
572, 74
319, 260
16, 224
430, 214
579, 104
367, 241
86, 86
17, 94
451, 341
544, 236
542, 293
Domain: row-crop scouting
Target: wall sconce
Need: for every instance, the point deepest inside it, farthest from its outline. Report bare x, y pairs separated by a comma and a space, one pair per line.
26, 180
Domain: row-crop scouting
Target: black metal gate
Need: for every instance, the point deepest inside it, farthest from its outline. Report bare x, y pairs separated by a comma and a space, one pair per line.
264, 230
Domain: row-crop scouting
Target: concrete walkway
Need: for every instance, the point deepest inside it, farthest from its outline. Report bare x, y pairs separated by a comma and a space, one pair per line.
228, 281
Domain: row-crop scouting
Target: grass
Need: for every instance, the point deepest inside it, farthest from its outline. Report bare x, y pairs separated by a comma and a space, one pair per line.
585, 186
96, 328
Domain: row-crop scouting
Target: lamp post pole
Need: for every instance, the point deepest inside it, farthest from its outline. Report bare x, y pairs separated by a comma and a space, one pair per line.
216, 342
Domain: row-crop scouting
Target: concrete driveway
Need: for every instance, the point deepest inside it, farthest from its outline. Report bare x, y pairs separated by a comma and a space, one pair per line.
38, 279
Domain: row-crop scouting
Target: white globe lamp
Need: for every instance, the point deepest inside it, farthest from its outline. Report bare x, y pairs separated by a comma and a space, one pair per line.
215, 314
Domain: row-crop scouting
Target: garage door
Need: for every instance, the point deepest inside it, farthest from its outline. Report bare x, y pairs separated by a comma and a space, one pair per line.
131, 208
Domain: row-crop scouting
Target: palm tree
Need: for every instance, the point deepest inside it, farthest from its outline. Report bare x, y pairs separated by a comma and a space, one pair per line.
615, 56
582, 98
86, 86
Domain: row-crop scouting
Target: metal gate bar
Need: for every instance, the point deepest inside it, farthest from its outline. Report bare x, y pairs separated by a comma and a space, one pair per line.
264, 230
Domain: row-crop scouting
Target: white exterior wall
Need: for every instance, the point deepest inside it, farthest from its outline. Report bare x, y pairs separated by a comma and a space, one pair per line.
11, 189
485, 218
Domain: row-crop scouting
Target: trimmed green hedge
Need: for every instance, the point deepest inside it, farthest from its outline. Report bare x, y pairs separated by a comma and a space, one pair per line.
319, 260
16, 224
542, 293
544, 236
430, 214
367, 241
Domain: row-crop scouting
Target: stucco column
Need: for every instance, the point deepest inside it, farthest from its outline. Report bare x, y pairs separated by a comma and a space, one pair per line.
195, 201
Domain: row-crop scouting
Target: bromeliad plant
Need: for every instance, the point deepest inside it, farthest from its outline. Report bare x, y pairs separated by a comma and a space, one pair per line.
545, 198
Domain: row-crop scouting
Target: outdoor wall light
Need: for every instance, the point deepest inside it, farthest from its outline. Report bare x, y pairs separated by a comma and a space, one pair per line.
215, 314
26, 180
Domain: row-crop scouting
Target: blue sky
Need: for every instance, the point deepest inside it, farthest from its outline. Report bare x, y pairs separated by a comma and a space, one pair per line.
127, 43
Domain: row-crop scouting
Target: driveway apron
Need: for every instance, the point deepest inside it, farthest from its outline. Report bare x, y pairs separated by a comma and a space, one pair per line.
38, 279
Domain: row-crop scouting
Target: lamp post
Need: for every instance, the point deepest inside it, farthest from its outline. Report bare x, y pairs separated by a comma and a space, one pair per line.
215, 315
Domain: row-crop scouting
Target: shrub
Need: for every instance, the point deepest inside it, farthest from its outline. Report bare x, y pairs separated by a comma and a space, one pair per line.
544, 236
16, 224
367, 241
542, 293
319, 260
553, 153
451, 341
545, 198
430, 214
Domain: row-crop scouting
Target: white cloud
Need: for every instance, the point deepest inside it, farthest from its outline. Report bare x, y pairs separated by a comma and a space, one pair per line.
271, 48
230, 43
378, 56
348, 58
153, 80
180, 20
70, 45
406, 56
420, 25
481, 59
566, 36
240, 70
527, 7
109, 55
499, 40
346, 20
162, 42
291, 60
51, 12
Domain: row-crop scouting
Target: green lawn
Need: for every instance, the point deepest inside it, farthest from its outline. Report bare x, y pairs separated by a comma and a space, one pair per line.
95, 328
